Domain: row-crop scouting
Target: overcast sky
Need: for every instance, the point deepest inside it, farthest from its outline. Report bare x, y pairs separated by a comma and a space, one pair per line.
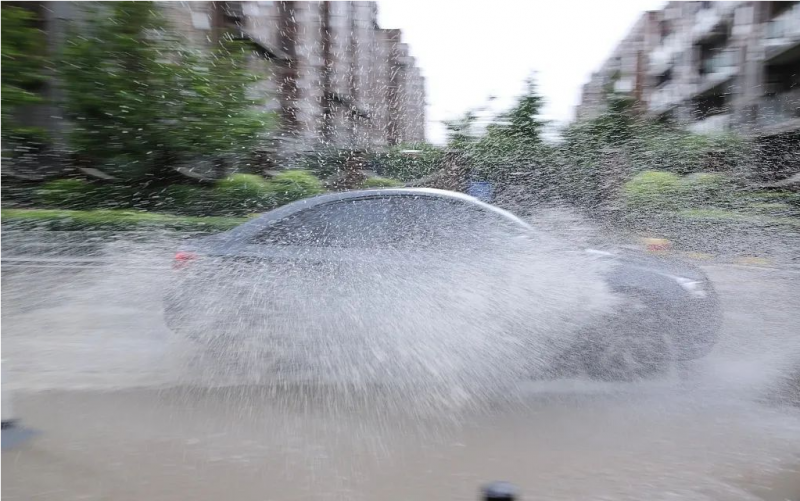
469, 51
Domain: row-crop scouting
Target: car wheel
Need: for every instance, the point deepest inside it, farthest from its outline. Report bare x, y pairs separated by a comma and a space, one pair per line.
630, 359
634, 346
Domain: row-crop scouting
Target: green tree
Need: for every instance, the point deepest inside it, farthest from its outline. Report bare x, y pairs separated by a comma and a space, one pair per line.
141, 102
523, 119
511, 150
23, 67
460, 133
216, 113
518, 127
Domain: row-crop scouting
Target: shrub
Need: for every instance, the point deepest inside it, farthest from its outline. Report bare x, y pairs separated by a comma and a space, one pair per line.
245, 193
380, 182
292, 185
776, 203
653, 191
787, 197
248, 185
68, 194
81, 194
706, 189
183, 199
242, 193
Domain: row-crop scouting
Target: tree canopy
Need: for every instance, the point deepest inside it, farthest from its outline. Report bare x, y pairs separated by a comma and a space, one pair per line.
141, 101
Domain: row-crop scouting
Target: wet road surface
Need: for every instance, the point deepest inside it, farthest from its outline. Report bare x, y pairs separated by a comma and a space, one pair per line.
127, 410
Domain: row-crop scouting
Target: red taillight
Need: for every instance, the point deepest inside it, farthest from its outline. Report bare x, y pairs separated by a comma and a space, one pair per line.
182, 259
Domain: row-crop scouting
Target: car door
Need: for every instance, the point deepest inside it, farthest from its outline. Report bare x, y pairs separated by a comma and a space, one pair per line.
301, 262
452, 253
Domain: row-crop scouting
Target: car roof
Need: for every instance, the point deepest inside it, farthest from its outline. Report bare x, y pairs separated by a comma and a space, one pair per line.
345, 195
308, 203
258, 223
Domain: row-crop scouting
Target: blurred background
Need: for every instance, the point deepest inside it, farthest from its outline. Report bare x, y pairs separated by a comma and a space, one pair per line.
229, 108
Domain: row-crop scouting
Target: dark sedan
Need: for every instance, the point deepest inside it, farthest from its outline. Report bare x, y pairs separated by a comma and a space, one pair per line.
669, 313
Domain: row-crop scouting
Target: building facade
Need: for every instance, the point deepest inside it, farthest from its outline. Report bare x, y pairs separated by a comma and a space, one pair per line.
335, 78
624, 71
330, 73
710, 66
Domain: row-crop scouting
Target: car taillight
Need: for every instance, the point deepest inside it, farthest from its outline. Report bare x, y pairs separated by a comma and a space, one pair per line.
182, 259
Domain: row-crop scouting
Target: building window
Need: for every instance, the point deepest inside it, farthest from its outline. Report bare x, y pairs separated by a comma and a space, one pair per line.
778, 8
201, 21
665, 28
664, 78
716, 57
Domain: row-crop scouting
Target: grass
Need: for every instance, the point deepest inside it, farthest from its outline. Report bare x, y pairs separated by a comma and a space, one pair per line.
116, 219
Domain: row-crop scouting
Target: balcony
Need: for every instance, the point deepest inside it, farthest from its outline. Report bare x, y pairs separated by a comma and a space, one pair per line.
783, 32
714, 124
780, 112
663, 56
659, 62
705, 22
713, 22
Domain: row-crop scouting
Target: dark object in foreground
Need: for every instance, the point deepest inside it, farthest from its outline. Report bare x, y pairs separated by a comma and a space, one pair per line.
670, 314
499, 491
13, 435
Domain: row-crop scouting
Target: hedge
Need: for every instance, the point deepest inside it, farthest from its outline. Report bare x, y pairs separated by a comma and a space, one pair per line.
380, 182
665, 191
291, 185
235, 195
242, 193
112, 219
653, 191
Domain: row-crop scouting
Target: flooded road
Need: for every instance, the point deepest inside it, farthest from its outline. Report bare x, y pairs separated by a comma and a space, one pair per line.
127, 410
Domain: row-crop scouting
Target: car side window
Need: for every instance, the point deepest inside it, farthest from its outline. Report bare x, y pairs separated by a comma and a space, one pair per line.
348, 223
442, 222
390, 222
298, 230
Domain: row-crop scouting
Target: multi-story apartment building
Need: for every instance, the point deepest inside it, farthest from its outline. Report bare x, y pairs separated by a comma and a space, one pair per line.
624, 71
332, 75
711, 66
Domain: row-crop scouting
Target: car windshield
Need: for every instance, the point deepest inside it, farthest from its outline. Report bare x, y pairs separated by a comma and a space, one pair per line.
400, 250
